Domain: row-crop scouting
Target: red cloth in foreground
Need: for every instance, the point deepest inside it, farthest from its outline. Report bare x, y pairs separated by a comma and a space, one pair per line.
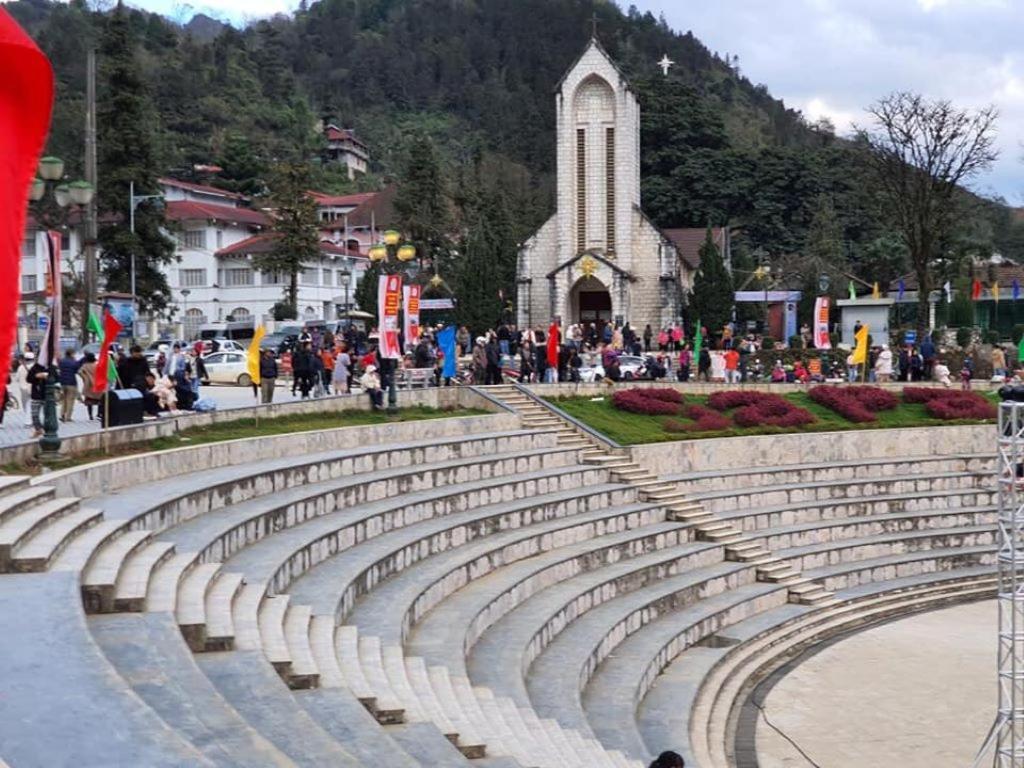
110, 330
26, 98
553, 340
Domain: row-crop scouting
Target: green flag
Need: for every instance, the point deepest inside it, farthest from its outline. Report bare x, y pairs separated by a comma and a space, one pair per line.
1020, 350
853, 291
94, 326
698, 342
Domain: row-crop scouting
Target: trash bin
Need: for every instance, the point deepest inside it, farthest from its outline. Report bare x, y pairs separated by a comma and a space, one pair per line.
125, 407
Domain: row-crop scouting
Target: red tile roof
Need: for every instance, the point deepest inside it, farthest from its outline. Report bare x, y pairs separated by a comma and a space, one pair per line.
378, 209
185, 210
689, 240
264, 243
334, 133
342, 201
203, 188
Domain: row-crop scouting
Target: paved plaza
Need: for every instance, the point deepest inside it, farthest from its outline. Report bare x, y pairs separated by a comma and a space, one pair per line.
915, 693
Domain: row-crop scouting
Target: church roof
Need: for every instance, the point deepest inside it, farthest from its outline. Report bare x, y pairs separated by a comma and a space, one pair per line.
594, 43
593, 254
688, 241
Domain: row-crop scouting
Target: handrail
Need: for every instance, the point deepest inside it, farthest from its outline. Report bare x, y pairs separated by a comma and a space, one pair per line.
571, 419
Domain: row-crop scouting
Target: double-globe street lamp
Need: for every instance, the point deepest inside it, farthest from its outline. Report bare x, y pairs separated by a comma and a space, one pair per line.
51, 213
392, 254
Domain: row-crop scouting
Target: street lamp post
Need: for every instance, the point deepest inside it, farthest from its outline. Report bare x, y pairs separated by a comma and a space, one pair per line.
346, 279
133, 202
79, 193
184, 312
391, 255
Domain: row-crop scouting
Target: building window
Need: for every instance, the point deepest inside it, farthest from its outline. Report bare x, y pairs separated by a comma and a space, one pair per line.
220, 239
609, 181
353, 245
309, 276
28, 245
581, 189
309, 313
274, 278
240, 313
328, 279
192, 238
238, 276
65, 241
29, 283
191, 278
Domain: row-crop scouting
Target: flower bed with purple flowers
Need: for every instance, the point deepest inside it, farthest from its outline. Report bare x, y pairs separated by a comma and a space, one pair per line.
951, 405
859, 404
649, 402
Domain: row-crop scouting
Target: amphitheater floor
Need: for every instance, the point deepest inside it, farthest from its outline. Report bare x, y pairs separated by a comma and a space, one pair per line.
915, 693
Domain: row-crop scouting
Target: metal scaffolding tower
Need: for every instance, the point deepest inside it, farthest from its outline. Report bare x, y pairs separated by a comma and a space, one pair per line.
1009, 726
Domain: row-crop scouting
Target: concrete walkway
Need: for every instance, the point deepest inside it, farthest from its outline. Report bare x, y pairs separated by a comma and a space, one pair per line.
915, 693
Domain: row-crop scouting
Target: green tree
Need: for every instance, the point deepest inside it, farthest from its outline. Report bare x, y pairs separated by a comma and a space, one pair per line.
129, 152
243, 170
366, 292
485, 270
712, 297
423, 205
296, 236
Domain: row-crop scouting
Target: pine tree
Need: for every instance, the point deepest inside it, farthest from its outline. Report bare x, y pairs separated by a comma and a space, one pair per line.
128, 152
366, 291
296, 237
423, 205
484, 274
712, 297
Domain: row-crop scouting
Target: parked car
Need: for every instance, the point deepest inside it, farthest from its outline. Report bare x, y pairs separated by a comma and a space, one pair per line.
276, 342
227, 368
152, 351
630, 367
223, 345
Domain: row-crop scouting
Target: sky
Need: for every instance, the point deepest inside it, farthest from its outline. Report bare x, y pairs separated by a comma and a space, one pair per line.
832, 58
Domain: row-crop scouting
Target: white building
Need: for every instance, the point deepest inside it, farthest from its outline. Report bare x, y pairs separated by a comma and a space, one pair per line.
598, 258
345, 148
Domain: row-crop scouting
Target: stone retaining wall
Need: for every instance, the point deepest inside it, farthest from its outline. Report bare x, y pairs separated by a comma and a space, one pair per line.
110, 475
431, 397
812, 448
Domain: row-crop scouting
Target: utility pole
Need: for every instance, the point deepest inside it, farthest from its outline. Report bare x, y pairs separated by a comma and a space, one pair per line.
89, 252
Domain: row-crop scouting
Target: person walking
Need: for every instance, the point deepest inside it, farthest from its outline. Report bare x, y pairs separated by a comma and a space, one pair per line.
480, 361
883, 365
462, 338
24, 386
268, 376
648, 334
342, 363
732, 362
327, 356
302, 369
67, 376
37, 376
493, 352
998, 362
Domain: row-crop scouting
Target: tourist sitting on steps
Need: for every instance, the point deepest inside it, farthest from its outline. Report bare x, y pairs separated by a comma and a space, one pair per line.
370, 382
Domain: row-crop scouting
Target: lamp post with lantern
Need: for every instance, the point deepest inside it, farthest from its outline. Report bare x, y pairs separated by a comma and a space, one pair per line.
50, 212
392, 254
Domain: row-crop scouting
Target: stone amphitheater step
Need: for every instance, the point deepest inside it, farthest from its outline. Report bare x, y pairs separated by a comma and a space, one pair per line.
16, 497
251, 686
148, 653
32, 519
565, 665
84, 548
35, 552
737, 478
99, 719
386, 710
701, 675
99, 579
174, 500
190, 607
843, 576
152, 577
220, 623
13, 483
610, 699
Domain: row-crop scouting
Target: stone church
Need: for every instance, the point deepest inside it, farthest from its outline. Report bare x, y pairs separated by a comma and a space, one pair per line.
599, 258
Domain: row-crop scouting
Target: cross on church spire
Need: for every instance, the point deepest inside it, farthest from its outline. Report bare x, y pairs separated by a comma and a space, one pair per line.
593, 25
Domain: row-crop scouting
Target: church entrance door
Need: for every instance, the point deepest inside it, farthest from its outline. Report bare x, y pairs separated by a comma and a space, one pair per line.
590, 303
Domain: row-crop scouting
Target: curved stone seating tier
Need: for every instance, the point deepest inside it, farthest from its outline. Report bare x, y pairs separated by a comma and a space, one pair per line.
798, 475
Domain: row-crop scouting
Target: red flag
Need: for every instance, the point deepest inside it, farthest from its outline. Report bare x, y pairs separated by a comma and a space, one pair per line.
26, 98
553, 345
976, 290
110, 330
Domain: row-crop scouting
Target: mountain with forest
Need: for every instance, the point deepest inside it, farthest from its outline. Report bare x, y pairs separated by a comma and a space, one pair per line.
475, 79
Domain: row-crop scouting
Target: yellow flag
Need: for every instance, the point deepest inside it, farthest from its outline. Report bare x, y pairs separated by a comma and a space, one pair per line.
860, 352
995, 290
253, 356
876, 292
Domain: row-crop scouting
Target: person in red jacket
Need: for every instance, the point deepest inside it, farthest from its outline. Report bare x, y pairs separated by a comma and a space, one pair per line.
554, 341
732, 364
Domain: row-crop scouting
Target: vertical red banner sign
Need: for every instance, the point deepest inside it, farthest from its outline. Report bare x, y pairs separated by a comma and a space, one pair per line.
389, 298
411, 329
821, 337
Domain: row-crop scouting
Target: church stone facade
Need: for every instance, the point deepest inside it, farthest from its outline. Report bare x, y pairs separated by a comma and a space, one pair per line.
598, 258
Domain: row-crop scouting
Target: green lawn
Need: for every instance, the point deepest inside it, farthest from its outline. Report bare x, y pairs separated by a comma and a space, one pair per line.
248, 428
628, 428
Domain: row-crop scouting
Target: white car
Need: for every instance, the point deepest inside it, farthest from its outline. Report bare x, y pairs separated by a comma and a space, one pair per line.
630, 367
227, 368
223, 345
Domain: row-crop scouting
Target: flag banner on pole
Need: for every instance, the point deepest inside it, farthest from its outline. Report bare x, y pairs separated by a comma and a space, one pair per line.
252, 356
860, 352
26, 99
853, 291
876, 292
389, 297
446, 341
111, 329
976, 290
50, 353
995, 291
93, 324
1020, 350
411, 303
1016, 289
901, 289
821, 337
948, 288
698, 342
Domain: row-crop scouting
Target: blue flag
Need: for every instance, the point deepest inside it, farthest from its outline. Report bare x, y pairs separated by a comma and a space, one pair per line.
1016, 289
902, 288
446, 341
